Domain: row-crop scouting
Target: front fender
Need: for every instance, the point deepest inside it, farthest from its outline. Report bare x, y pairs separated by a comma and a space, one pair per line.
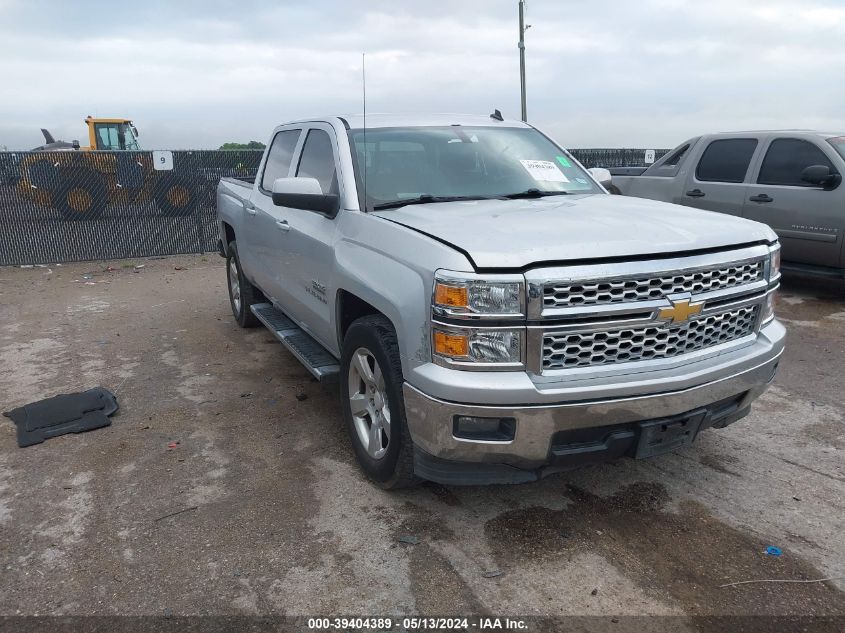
391, 267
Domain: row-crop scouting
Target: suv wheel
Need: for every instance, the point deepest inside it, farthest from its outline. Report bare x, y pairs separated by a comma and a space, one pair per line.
373, 405
242, 294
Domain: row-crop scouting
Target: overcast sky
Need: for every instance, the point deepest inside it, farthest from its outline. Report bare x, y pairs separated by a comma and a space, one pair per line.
608, 73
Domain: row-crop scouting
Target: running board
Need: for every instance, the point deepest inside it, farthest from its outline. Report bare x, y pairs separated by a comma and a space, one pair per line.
316, 358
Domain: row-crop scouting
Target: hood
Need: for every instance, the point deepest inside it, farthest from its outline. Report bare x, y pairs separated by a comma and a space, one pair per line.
518, 233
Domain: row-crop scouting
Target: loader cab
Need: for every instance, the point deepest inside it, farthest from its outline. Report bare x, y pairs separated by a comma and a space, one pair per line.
112, 134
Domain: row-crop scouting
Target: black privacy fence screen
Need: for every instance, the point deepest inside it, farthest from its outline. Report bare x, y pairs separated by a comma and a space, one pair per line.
65, 206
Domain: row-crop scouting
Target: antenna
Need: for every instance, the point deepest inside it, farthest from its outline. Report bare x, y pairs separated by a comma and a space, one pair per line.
364, 91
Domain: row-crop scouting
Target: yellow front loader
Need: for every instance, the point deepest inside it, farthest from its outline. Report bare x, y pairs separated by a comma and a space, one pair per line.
80, 181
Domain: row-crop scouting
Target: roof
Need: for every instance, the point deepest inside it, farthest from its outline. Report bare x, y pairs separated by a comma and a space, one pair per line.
786, 131
379, 120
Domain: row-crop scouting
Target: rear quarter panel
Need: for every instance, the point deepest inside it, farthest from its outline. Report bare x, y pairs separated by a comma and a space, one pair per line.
231, 196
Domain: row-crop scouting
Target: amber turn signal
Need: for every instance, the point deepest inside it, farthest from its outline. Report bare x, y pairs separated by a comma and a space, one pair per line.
450, 344
450, 295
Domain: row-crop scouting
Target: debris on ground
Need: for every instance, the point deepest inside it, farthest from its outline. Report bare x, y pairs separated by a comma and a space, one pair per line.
173, 445
65, 413
173, 514
771, 550
247, 394
492, 573
788, 580
409, 540
301, 396
179, 268
594, 592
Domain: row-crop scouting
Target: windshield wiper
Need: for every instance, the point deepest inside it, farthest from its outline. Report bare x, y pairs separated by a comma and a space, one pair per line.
534, 193
425, 199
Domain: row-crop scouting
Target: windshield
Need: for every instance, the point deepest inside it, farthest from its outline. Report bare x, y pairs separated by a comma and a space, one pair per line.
128, 134
462, 162
838, 144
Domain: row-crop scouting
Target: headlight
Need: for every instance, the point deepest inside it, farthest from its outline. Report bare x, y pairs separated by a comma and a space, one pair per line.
774, 262
479, 347
464, 296
769, 307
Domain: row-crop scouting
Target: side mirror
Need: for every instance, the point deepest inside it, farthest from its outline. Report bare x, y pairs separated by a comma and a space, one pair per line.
304, 193
601, 175
821, 176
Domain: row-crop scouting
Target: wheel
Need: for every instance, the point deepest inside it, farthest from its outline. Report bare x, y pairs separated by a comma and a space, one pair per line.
175, 195
81, 194
373, 405
613, 189
44, 174
242, 294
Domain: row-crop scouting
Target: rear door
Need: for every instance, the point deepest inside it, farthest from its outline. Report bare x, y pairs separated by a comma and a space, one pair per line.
262, 216
809, 220
718, 181
307, 243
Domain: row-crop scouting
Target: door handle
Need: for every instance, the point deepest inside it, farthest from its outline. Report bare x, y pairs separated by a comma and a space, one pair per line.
283, 225
696, 193
250, 208
761, 198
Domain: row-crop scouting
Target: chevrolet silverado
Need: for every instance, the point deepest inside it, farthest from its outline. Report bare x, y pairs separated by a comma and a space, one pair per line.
490, 312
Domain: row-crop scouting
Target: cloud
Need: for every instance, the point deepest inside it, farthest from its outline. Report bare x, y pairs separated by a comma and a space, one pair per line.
197, 74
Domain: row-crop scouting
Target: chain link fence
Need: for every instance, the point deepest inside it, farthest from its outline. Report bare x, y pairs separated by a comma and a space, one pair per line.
615, 157
75, 205
67, 206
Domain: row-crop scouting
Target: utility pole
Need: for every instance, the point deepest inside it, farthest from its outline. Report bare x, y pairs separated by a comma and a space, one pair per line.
522, 58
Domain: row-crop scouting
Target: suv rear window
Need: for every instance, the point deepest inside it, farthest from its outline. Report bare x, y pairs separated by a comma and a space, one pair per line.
726, 160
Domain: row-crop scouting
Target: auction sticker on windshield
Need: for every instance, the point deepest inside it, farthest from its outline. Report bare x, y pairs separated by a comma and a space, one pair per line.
544, 170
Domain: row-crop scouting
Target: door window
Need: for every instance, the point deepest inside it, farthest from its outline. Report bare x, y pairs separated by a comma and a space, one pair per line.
279, 157
317, 160
676, 156
107, 137
787, 158
726, 160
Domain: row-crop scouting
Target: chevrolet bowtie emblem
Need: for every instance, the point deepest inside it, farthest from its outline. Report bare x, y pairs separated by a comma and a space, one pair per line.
681, 310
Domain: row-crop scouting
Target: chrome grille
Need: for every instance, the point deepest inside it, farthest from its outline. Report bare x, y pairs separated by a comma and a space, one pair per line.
564, 350
643, 288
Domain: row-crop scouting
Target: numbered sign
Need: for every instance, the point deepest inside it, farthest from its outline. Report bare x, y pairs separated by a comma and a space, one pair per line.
649, 156
163, 160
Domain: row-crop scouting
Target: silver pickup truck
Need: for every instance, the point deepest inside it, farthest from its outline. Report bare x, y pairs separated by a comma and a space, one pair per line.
491, 313
789, 179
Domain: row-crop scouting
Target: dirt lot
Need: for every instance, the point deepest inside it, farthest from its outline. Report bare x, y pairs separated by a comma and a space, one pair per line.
276, 518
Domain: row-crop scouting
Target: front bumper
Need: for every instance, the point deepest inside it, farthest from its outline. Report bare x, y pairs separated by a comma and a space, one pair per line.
737, 379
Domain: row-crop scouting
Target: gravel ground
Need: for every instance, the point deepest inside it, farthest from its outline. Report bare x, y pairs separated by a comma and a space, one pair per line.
260, 508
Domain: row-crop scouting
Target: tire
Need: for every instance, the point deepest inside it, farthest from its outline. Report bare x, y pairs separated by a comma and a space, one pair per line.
81, 195
175, 195
613, 189
242, 295
389, 460
44, 174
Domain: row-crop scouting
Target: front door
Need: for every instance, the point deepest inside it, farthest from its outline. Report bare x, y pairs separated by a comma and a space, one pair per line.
718, 182
307, 243
809, 220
